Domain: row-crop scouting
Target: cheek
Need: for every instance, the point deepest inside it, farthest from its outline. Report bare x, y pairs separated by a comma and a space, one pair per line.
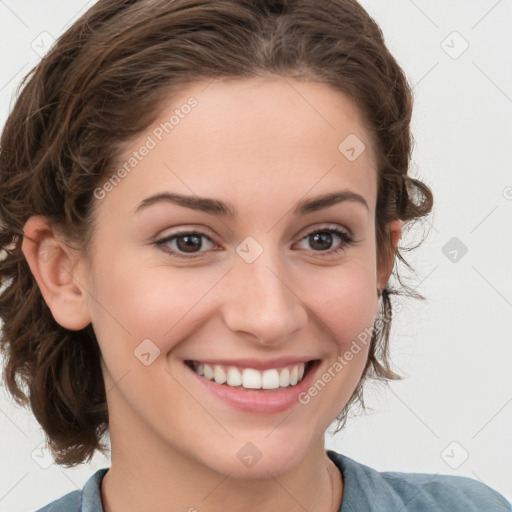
344, 301
154, 302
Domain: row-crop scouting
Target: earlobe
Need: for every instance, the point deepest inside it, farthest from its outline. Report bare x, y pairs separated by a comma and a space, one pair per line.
51, 262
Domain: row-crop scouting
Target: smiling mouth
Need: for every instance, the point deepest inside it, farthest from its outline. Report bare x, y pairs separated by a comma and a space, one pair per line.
250, 378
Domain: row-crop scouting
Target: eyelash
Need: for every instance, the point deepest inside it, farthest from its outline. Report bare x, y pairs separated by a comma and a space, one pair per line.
346, 241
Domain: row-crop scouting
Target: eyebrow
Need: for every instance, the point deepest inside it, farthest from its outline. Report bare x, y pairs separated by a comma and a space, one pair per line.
217, 207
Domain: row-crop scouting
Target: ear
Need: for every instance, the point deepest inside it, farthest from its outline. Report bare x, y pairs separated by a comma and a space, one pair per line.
394, 231
52, 263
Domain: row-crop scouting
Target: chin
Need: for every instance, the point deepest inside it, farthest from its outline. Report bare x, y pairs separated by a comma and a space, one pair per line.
254, 460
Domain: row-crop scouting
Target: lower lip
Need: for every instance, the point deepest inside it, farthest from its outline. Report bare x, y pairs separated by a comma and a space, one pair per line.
258, 401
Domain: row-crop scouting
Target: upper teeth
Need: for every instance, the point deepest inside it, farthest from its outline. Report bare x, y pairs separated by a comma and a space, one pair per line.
249, 377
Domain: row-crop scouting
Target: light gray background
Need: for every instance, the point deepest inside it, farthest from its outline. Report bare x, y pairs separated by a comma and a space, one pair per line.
455, 348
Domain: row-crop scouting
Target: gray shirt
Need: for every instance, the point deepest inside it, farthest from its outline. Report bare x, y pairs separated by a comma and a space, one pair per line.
365, 490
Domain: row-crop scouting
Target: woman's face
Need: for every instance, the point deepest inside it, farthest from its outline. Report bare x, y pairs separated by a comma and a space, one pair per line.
245, 271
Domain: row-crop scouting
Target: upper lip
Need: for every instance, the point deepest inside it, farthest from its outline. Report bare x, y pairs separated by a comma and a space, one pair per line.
257, 364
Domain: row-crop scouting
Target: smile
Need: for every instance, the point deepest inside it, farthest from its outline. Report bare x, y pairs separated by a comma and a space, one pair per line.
250, 378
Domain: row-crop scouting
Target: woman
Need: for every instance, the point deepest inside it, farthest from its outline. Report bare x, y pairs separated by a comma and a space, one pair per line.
201, 207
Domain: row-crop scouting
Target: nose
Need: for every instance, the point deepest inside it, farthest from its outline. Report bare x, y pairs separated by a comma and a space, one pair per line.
261, 302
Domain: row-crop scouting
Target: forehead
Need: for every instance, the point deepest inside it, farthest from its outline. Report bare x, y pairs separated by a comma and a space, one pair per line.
240, 139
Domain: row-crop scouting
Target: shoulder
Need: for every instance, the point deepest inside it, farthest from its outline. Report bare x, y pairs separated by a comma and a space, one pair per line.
70, 503
86, 500
366, 488
447, 492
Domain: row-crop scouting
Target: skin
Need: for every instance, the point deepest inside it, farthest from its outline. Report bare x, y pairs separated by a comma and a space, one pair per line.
262, 145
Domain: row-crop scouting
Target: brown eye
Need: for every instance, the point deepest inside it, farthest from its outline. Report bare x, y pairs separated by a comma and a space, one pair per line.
321, 241
188, 243
185, 242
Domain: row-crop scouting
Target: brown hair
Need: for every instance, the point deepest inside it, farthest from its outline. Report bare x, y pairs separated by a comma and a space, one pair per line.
104, 82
